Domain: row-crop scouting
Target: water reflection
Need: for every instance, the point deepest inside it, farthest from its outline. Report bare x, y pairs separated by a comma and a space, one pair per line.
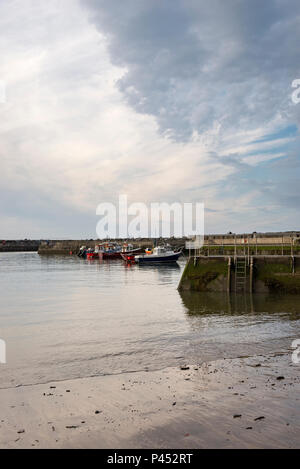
72, 318
198, 303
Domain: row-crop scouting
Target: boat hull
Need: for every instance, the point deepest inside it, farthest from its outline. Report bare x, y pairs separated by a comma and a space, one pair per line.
127, 257
111, 255
91, 255
150, 259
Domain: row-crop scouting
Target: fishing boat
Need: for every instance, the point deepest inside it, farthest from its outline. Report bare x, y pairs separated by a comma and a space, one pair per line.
129, 252
109, 251
130, 249
128, 257
82, 252
92, 254
87, 253
160, 254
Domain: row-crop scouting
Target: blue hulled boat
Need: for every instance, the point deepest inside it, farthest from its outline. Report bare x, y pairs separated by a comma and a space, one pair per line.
160, 254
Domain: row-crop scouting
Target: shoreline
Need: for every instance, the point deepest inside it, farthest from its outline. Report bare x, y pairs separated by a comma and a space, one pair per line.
229, 403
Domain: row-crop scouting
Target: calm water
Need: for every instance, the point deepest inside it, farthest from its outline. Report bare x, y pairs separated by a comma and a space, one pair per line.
63, 317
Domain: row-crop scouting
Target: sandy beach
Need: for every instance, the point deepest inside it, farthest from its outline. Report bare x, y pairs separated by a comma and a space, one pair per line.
240, 403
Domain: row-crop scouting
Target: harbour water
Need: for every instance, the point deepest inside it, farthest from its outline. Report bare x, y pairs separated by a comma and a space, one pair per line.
68, 318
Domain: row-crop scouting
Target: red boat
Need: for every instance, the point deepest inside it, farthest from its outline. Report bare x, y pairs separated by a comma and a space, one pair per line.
112, 251
92, 255
128, 257
110, 255
128, 252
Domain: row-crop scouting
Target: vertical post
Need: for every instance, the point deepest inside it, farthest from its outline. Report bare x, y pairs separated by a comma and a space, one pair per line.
229, 275
251, 275
282, 245
256, 244
235, 246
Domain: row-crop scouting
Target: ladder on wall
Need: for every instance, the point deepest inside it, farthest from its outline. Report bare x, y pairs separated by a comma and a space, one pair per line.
241, 274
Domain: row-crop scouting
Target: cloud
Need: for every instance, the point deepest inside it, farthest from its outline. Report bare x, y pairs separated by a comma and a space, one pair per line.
163, 101
191, 64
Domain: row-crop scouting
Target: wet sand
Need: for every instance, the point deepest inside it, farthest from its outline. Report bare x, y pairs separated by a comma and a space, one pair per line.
231, 403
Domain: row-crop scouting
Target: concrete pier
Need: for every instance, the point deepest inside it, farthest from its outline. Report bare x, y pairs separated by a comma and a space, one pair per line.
255, 274
72, 246
19, 246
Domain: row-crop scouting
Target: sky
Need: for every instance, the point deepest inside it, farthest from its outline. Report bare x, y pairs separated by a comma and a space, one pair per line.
164, 101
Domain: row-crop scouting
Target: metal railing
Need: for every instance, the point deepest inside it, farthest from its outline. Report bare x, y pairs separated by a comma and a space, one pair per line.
248, 250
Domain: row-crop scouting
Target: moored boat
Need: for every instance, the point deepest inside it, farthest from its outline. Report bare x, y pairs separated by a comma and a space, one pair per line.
128, 257
109, 251
160, 254
91, 254
128, 251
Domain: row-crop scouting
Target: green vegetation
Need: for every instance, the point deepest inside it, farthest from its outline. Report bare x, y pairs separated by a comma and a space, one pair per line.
289, 284
199, 276
278, 277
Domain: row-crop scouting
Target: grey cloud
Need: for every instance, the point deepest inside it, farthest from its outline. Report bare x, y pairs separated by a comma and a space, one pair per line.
190, 63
